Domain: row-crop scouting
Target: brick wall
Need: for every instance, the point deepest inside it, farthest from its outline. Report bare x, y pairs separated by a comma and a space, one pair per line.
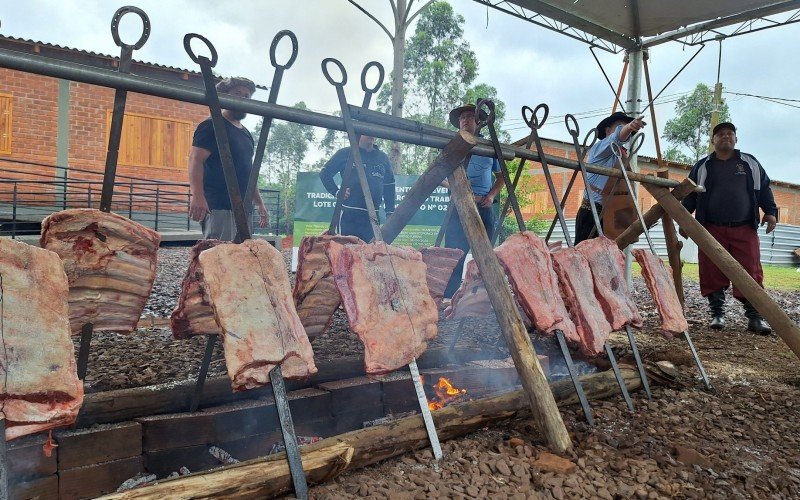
34, 139
787, 196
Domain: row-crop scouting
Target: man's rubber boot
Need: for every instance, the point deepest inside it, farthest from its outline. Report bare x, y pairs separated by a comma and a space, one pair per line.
716, 304
755, 323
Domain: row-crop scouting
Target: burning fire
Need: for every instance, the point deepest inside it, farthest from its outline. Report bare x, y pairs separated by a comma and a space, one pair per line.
445, 393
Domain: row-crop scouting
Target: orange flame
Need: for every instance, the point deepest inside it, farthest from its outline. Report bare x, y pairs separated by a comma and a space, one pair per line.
445, 392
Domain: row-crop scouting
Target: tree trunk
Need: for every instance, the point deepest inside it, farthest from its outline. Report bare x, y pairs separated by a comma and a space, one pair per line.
448, 160
786, 329
266, 477
398, 66
546, 414
631, 235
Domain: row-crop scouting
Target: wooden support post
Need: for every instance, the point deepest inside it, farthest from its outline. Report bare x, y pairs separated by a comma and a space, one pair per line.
534, 382
631, 235
267, 477
786, 329
448, 160
674, 246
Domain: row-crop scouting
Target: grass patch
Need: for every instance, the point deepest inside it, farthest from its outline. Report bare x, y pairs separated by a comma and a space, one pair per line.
775, 277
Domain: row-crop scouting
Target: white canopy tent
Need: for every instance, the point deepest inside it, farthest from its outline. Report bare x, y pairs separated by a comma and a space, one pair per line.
616, 25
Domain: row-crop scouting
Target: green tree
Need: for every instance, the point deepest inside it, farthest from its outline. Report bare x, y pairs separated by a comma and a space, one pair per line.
403, 17
440, 69
688, 132
286, 149
439, 62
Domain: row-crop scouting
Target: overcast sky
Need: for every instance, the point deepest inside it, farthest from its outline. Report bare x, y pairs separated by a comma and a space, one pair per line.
526, 63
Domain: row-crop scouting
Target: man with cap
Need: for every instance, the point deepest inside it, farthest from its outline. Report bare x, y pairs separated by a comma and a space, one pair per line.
211, 204
617, 129
484, 190
354, 218
736, 186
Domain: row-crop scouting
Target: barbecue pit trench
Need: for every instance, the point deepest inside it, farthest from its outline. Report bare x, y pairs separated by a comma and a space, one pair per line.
118, 439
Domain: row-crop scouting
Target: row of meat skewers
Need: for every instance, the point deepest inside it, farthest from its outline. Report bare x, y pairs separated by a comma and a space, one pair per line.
98, 268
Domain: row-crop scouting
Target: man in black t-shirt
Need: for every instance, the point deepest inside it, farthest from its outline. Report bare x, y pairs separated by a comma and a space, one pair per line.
736, 186
354, 219
211, 204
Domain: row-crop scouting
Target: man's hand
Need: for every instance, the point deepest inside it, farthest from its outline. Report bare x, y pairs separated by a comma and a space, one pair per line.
487, 201
770, 221
198, 208
263, 217
636, 125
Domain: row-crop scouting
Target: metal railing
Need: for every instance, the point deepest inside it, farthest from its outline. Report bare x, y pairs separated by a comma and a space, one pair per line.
28, 195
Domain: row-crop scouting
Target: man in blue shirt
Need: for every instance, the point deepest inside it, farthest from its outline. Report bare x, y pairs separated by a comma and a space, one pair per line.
617, 128
484, 190
354, 218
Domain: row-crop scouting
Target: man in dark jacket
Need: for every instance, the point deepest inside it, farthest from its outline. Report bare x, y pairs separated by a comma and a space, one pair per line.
354, 219
736, 187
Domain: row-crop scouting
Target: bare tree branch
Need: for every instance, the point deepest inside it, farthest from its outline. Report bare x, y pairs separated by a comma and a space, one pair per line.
377, 21
394, 11
411, 19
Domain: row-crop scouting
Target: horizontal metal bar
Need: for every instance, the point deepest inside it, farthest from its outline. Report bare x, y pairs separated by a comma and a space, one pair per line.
392, 128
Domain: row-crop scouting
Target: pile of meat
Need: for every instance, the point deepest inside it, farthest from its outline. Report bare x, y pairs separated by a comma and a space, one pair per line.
39, 385
242, 292
579, 291
110, 262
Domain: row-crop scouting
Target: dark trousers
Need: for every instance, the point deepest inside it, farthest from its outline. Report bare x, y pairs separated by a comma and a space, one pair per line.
456, 238
742, 243
354, 222
584, 223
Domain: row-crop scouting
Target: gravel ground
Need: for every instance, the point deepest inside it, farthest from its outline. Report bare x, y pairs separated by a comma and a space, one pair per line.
741, 442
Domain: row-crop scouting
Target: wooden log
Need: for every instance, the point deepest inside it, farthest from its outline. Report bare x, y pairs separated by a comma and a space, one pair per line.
259, 479
674, 246
266, 477
448, 160
172, 397
787, 329
631, 235
534, 382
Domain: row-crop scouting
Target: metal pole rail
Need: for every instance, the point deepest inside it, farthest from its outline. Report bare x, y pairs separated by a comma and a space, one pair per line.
365, 122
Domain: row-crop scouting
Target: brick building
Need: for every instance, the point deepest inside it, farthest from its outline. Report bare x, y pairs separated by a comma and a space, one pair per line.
787, 195
53, 130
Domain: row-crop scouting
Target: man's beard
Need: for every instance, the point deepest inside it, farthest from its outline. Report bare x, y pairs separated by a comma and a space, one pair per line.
238, 115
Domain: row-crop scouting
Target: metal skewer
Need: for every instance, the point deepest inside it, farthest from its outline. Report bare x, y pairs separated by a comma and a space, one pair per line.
373, 219
112, 154
618, 153
243, 232
572, 128
252, 183
534, 122
347, 174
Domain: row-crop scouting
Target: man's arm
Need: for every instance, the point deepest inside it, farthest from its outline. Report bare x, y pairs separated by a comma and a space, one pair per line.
198, 208
389, 191
766, 200
499, 182
334, 166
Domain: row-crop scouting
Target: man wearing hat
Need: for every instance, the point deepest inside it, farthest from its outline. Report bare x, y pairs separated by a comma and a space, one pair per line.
484, 190
211, 204
736, 186
617, 128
